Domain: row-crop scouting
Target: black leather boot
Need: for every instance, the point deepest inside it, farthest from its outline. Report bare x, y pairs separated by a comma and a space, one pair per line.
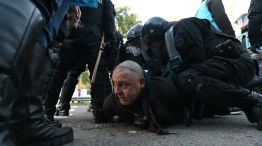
67, 93
254, 113
6, 92
16, 45
27, 109
63, 109
27, 117
48, 116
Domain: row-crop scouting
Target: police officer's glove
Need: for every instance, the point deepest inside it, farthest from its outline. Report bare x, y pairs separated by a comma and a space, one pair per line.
54, 53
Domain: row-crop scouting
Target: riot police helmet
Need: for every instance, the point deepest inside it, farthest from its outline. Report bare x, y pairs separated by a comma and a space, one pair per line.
134, 31
153, 31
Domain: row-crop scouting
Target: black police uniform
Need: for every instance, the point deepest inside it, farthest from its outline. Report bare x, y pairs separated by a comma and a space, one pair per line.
79, 49
22, 75
212, 74
211, 66
202, 61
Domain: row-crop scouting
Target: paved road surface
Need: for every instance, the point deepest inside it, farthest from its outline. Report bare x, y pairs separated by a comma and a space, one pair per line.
233, 130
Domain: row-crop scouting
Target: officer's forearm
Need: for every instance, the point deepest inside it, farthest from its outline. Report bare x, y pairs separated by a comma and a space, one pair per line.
218, 12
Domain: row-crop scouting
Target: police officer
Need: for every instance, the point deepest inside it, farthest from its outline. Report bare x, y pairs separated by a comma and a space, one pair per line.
255, 23
58, 55
81, 48
132, 50
206, 64
214, 11
22, 75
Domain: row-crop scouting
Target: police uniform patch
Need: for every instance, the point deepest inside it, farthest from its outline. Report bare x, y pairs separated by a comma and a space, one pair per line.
133, 50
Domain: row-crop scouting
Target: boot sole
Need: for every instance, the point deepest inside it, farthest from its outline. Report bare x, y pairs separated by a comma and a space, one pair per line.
58, 141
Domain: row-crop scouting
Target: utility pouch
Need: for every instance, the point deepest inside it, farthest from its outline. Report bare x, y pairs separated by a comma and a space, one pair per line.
227, 49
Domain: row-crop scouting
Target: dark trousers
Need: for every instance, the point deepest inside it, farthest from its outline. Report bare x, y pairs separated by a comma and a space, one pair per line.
219, 81
207, 75
79, 50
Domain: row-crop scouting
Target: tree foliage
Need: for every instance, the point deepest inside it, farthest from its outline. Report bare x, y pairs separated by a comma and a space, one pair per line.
84, 82
125, 19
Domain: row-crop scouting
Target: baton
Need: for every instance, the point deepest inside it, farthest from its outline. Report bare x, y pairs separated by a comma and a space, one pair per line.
101, 50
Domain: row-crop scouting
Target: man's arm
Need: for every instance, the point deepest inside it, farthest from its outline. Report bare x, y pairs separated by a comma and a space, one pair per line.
255, 23
111, 109
217, 10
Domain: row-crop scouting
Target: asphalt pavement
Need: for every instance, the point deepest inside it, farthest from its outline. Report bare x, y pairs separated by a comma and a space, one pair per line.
231, 130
